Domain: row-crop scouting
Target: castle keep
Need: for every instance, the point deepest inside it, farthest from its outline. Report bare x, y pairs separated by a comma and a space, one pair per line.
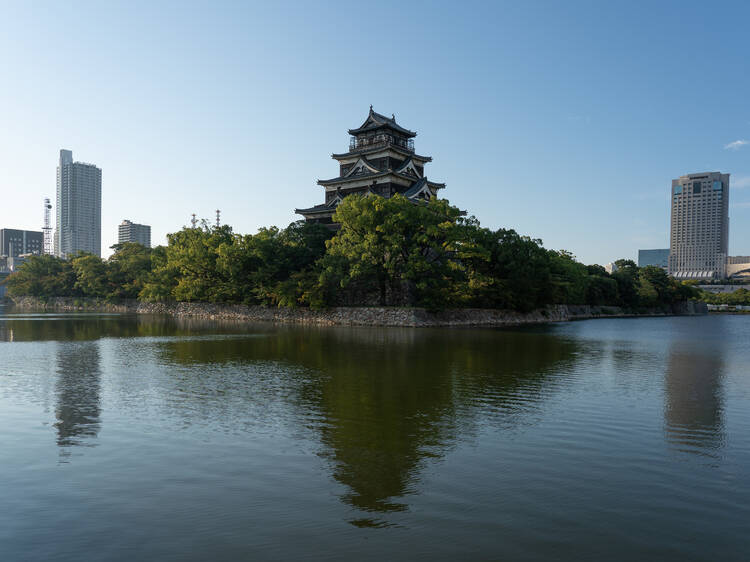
380, 161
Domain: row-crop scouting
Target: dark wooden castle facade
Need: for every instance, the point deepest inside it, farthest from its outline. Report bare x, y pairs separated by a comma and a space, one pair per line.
381, 161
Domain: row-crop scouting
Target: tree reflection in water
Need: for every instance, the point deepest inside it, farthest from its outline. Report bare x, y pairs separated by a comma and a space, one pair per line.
385, 401
86, 327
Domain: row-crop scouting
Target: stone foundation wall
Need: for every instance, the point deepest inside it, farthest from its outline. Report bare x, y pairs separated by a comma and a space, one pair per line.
353, 316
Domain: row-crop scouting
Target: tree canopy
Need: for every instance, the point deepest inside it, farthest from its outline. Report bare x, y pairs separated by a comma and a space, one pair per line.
388, 252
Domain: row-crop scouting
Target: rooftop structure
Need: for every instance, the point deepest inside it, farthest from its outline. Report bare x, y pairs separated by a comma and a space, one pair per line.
381, 161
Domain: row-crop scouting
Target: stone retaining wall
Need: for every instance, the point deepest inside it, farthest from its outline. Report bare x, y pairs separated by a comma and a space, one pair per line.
353, 316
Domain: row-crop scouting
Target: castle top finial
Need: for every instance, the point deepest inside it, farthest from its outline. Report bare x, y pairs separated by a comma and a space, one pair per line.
393, 116
370, 107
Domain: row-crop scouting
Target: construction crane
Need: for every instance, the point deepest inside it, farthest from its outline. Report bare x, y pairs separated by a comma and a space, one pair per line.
47, 228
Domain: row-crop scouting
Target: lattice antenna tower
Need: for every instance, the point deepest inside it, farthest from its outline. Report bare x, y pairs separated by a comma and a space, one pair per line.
47, 228
218, 218
194, 221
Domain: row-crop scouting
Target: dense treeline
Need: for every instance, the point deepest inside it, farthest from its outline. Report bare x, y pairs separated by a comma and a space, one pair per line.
738, 297
387, 252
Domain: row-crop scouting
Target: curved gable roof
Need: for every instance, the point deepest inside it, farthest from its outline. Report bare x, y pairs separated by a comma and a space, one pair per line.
408, 166
376, 121
362, 163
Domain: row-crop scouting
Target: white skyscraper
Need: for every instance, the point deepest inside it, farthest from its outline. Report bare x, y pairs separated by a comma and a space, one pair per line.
79, 207
699, 230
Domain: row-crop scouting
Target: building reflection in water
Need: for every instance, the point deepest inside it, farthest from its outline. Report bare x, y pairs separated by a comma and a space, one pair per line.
385, 401
693, 409
77, 393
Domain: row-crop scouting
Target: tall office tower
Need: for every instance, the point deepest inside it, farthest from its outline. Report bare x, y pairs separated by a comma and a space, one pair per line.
14, 242
132, 232
699, 233
79, 207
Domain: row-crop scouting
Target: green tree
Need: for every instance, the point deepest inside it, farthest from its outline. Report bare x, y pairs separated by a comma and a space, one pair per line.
91, 276
652, 277
192, 254
568, 278
626, 277
505, 269
42, 276
396, 247
601, 289
159, 283
128, 270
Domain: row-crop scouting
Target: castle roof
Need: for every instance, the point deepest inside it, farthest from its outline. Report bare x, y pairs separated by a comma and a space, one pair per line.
421, 188
379, 148
322, 209
346, 179
376, 137
376, 121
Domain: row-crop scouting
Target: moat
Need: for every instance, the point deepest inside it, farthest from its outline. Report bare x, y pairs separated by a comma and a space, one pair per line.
136, 437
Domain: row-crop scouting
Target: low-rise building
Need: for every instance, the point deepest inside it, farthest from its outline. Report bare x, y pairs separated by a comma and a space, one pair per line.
738, 266
14, 242
659, 258
12, 263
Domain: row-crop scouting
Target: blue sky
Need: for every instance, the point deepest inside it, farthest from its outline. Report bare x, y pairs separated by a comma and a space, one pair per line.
563, 120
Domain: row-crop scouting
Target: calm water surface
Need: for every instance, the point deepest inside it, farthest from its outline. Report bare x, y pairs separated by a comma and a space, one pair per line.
135, 438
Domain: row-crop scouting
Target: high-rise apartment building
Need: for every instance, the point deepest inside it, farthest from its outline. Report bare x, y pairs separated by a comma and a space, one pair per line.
79, 207
699, 232
14, 242
132, 232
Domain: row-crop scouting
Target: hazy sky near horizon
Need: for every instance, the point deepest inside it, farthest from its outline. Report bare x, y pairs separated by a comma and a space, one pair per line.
563, 120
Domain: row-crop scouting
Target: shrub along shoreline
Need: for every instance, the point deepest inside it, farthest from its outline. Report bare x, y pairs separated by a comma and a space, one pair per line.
387, 253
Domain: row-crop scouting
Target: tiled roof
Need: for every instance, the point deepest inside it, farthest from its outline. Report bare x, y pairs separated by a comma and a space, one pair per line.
414, 189
316, 209
378, 148
376, 120
353, 178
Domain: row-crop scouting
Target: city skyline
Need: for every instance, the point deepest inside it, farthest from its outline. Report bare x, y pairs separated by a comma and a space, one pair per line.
574, 140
